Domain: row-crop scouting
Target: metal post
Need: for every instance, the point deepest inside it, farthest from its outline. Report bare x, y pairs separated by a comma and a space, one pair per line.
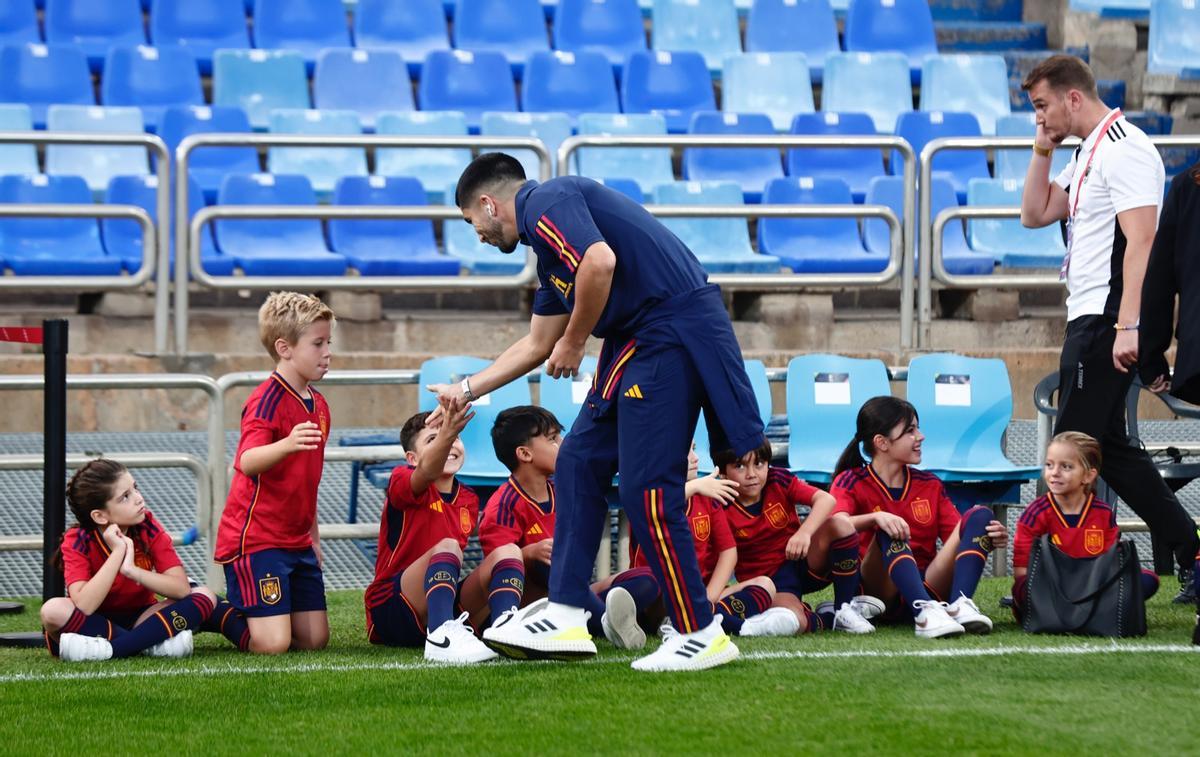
54, 439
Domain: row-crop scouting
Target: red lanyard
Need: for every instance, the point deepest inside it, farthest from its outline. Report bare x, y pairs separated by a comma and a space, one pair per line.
1079, 190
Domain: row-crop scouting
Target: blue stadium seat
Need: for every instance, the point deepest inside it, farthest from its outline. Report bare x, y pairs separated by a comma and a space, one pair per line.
569, 82
269, 247
413, 28
480, 259
1012, 164
435, 168
958, 257
470, 82
824, 394
41, 75
551, 128
976, 84
751, 168
1134, 9
722, 245
802, 26
306, 26
675, 85
200, 26
627, 187
815, 245
1174, 46
95, 26
709, 27
855, 166
368, 82
613, 28
322, 165
19, 23
513, 28
757, 373
965, 404
1005, 239
259, 81
14, 158
648, 166
208, 166
773, 83
382, 246
904, 26
960, 166
151, 78
873, 83
565, 396
51, 246
97, 164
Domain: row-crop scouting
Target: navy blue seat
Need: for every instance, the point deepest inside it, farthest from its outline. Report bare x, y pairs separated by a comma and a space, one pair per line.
306, 26
815, 245
514, 28
613, 28
803, 26
855, 166
19, 23
470, 82
51, 246
569, 82
44, 75
722, 245
960, 166
200, 26
151, 78
675, 85
384, 246
749, 167
904, 26
413, 28
208, 166
627, 187
958, 257
368, 82
95, 26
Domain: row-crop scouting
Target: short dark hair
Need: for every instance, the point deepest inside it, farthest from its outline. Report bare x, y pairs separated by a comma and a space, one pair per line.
723, 457
410, 429
486, 172
1062, 72
516, 426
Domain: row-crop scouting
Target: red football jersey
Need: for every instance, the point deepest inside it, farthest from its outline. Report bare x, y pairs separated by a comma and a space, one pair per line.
412, 523
513, 517
85, 552
922, 503
1094, 532
277, 508
762, 530
710, 534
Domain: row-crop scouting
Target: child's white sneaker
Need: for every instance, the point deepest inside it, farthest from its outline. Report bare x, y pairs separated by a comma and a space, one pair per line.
869, 607
619, 620
848, 618
966, 613
773, 621
698, 650
544, 630
932, 621
454, 643
73, 647
179, 645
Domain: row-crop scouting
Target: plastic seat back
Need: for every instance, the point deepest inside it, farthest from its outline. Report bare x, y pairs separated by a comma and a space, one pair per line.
259, 81
41, 75
975, 84
613, 28
904, 26
368, 82
513, 28
960, 166
751, 168
209, 165
123, 239
777, 84
413, 28
306, 26
855, 166
322, 165
722, 245
151, 78
95, 26
550, 128
396, 247
565, 396
47, 246
200, 26
709, 27
268, 235
1005, 239
569, 82
1174, 46
470, 82
1012, 164
19, 23
14, 158
97, 164
803, 26
673, 84
648, 166
434, 167
818, 245
873, 83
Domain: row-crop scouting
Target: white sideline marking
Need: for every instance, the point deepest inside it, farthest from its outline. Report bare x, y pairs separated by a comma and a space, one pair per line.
325, 667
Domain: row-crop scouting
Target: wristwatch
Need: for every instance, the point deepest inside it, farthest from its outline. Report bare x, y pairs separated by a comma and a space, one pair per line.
466, 390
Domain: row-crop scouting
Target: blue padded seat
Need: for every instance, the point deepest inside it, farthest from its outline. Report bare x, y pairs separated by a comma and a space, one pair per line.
613, 28
854, 165
648, 166
673, 84
17, 158
750, 167
209, 165
368, 82
434, 167
305, 26
569, 82
259, 81
777, 84
904, 26
802, 26
722, 245
1005, 239
1174, 46
322, 165
413, 28
514, 28
470, 82
19, 23
96, 163
51, 246
709, 27
960, 166
873, 83
94, 26
42, 75
151, 78
627, 187
975, 84
815, 245
385, 246
958, 257
550, 128
200, 26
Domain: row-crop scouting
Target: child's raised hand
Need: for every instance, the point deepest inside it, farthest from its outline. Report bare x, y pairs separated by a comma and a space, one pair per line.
456, 413
892, 525
998, 534
304, 436
713, 487
114, 538
127, 563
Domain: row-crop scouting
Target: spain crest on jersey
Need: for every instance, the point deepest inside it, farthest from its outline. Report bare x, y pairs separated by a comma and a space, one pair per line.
323, 422
922, 511
269, 590
1093, 541
776, 515
701, 527
464, 521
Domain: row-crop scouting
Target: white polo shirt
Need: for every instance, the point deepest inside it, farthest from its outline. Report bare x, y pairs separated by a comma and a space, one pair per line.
1126, 172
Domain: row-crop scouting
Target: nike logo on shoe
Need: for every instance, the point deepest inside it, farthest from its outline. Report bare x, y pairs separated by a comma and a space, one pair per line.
444, 643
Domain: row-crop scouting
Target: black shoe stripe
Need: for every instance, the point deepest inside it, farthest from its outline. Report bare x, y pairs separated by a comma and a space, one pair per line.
550, 626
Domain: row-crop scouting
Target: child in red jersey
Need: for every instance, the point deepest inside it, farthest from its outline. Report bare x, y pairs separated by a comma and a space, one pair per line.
1078, 523
268, 539
901, 513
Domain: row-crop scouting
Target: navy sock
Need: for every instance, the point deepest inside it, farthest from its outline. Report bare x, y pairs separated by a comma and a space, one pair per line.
85, 625
227, 621
506, 586
641, 585
441, 588
974, 546
595, 606
185, 614
1149, 583
742, 604
902, 569
843, 564
814, 622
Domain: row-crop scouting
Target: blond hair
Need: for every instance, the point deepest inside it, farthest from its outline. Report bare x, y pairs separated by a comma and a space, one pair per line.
1087, 449
285, 315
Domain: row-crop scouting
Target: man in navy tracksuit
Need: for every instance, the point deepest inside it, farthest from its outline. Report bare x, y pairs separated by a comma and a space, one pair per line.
607, 267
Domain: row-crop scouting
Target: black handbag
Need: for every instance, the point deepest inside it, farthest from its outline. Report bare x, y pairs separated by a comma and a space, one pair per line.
1094, 596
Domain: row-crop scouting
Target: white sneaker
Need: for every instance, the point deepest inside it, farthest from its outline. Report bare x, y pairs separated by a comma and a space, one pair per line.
179, 645
773, 621
454, 643
699, 650
619, 620
544, 630
849, 619
932, 622
666, 630
73, 647
966, 613
867, 606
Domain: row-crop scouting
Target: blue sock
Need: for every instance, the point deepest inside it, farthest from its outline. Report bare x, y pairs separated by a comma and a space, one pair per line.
441, 588
902, 569
1149, 583
641, 585
595, 606
227, 621
814, 622
974, 546
85, 625
843, 564
742, 604
506, 586
184, 614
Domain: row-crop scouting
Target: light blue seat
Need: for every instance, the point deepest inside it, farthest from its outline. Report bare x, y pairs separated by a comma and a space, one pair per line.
513, 28
815, 245
434, 167
964, 404
368, 82
481, 468
15, 158
209, 165
1174, 46
97, 164
462, 244
627, 187
958, 257
470, 82
413, 28
1005, 239
41, 75
855, 166
271, 247
802, 26
673, 84
773, 83
613, 28
565, 396
259, 81
569, 82
151, 78
722, 245
904, 26
94, 26
306, 26
824, 395
200, 26
551, 128
648, 166
975, 84
873, 83
51, 246
960, 166
751, 168
1012, 164
1135, 9
757, 372
322, 165
709, 27
383, 246
19, 23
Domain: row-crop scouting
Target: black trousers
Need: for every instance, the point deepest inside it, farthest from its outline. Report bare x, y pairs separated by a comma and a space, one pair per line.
1091, 399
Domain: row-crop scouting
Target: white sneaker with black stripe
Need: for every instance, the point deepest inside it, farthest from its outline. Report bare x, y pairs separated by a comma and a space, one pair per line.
699, 650
454, 643
544, 630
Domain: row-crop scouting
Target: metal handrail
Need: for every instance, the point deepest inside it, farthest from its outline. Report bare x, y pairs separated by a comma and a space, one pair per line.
162, 201
981, 280
66, 210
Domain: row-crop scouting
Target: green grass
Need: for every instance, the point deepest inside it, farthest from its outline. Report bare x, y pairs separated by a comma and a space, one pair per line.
787, 694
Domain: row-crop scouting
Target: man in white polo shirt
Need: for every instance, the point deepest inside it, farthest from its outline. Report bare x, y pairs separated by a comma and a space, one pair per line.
1109, 195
